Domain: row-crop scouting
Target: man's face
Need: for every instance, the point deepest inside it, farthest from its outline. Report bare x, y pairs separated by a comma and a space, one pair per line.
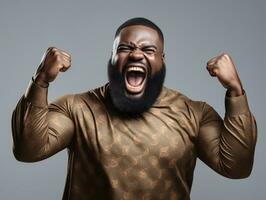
137, 52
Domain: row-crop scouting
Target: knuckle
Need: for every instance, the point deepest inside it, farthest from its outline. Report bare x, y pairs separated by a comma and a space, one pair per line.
57, 58
67, 56
53, 53
225, 55
49, 48
56, 53
210, 63
53, 49
228, 56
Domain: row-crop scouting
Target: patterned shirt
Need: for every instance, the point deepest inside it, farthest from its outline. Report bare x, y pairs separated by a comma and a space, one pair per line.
149, 156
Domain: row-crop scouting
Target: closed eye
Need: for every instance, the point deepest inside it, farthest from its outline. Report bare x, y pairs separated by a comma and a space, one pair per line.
124, 48
149, 50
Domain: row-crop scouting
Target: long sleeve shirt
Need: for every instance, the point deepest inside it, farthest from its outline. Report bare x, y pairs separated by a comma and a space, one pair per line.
150, 156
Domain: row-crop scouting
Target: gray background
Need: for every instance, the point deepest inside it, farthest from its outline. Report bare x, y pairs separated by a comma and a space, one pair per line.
194, 32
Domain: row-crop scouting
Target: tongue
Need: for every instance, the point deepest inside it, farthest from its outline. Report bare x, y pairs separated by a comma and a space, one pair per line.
134, 79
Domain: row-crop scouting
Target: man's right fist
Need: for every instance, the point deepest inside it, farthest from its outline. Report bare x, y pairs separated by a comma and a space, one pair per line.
53, 61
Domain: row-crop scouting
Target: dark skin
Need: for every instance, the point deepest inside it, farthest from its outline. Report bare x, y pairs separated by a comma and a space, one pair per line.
141, 46
149, 51
224, 69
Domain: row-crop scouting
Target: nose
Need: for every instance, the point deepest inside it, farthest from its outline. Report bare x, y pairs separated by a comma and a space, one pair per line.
136, 54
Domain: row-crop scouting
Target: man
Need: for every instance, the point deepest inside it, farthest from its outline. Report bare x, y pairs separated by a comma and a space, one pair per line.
134, 138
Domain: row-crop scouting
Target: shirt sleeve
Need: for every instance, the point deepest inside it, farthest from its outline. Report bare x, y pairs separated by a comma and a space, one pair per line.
40, 130
228, 145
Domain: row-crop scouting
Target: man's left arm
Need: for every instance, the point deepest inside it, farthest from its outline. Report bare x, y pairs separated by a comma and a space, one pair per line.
228, 145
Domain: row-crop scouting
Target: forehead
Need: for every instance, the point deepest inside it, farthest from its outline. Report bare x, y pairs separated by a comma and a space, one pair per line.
139, 35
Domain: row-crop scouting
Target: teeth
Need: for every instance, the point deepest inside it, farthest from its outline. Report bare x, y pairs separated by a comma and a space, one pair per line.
135, 68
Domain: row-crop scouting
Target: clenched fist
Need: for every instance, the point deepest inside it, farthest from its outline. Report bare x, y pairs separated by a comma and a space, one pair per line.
224, 69
54, 61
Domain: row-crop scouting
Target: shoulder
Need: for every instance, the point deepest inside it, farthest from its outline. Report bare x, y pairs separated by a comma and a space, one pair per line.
73, 100
95, 95
178, 101
175, 96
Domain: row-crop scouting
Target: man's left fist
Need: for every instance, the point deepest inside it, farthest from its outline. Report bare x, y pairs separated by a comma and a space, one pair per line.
224, 69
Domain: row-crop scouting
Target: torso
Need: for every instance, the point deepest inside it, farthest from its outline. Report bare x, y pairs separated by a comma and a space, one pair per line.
151, 156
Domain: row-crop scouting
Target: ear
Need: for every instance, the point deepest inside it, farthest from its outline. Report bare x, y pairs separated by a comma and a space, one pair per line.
112, 57
112, 54
163, 57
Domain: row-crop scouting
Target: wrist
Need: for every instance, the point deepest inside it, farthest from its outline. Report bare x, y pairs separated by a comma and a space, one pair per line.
39, 80
234, 92
235, 89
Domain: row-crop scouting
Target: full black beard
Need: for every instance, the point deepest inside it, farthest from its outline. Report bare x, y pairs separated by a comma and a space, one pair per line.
129, 105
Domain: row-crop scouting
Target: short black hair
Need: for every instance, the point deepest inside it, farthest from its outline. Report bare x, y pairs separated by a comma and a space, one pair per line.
140, 21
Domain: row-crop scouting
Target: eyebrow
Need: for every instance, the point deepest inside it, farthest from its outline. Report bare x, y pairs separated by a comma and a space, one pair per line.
145, 46
150, 46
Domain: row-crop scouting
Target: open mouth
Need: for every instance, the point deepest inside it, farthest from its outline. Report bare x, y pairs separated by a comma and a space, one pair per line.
135, 80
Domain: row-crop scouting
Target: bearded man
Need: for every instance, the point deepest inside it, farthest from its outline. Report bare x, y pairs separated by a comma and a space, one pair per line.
133, 138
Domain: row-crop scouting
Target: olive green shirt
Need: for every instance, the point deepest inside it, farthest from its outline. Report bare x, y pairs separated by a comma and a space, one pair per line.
150, 156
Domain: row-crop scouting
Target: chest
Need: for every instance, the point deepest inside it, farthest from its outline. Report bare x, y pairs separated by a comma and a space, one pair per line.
158, 137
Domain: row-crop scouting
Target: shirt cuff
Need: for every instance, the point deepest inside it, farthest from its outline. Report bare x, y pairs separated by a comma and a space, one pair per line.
36, 94
236, 105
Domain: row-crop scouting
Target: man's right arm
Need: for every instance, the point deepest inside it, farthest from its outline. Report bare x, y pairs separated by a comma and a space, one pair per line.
41, 130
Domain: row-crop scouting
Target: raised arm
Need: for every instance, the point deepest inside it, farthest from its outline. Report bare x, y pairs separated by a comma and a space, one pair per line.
40, 130
227, 145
